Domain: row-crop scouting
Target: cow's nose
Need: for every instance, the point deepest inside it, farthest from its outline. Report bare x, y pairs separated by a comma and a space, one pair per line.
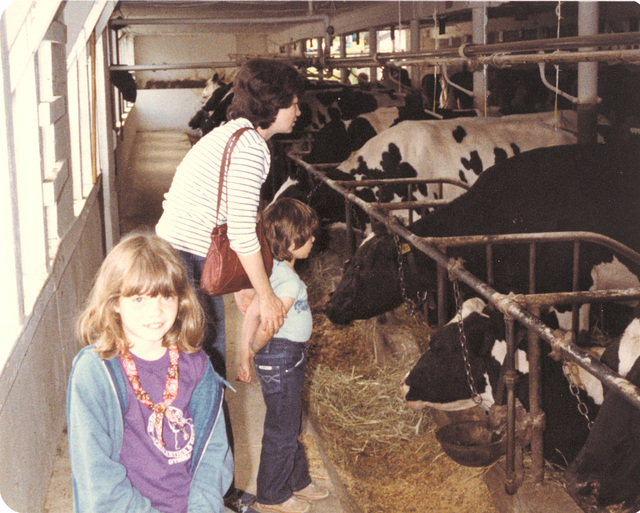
585, 488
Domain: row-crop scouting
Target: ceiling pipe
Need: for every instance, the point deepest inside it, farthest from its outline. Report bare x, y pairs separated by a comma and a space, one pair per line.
117, 23
474, 55
617, 56
453, 84
553, 88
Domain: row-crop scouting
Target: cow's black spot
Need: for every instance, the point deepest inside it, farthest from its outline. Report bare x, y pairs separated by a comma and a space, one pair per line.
459, 134
462, 176
353, 103
474, 162
515, 148
391, 160
499, 155
392, 167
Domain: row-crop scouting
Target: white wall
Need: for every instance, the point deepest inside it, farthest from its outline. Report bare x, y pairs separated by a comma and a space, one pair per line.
186, 48
38, 339
166, 109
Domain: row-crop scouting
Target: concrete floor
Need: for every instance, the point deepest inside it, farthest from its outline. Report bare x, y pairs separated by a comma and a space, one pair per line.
141, 186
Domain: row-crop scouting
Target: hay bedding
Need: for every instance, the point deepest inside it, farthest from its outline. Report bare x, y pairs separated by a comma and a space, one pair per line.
386, 454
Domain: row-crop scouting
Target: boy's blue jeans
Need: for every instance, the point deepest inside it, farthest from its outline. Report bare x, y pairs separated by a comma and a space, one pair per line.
280, 367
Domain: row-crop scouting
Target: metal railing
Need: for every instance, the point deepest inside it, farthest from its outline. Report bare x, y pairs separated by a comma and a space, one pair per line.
511, 306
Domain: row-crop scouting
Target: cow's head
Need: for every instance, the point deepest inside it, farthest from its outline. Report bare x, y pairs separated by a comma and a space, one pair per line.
371, 282
439, 379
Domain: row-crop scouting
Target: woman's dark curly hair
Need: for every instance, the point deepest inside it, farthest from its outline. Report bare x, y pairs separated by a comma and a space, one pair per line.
261, 88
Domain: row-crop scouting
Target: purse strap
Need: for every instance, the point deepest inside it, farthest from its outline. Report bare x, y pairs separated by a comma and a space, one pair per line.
226, 159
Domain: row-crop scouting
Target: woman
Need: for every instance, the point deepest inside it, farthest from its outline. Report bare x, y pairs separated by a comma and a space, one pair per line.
265, 98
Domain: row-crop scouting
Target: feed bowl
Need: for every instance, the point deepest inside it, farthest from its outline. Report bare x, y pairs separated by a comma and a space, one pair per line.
471, 443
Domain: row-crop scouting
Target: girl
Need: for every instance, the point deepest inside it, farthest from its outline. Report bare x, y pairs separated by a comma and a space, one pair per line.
284, 484
146, 432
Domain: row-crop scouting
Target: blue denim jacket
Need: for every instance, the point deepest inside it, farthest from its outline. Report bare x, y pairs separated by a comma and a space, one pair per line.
96, 402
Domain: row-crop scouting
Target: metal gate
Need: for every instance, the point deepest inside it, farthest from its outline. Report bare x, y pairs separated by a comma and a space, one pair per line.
509, 305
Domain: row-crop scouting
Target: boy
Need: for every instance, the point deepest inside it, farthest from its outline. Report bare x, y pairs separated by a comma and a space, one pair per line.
284, 484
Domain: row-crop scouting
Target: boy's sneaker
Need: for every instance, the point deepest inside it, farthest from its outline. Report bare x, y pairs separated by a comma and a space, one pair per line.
312, 492
291, 505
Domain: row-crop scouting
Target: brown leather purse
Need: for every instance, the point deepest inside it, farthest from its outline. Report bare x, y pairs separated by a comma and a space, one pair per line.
223, 272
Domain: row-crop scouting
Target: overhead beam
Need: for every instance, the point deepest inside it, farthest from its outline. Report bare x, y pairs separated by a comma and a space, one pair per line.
495, 55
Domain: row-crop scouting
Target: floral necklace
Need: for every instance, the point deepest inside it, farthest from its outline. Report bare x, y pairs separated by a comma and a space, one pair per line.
170, 391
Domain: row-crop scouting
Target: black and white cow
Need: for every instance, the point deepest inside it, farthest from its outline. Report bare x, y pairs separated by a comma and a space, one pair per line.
609, 463
591, 188
329, 114
458, 149
439, 380
214, 111
341, 136
455, 149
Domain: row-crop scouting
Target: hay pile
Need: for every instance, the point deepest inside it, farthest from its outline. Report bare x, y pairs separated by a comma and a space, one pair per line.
386, 454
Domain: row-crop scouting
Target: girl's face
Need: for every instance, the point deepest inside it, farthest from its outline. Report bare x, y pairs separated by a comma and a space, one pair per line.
145, 319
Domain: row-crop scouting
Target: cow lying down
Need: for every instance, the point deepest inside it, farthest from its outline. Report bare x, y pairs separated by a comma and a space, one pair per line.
606, 460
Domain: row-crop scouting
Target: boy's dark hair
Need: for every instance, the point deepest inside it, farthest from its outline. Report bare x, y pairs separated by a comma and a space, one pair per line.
285, 221
261, 88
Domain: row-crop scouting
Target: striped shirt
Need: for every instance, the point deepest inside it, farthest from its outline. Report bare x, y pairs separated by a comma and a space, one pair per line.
189, 208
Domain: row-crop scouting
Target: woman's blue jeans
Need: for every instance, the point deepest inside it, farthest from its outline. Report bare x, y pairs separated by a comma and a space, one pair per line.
280, 367
214, 342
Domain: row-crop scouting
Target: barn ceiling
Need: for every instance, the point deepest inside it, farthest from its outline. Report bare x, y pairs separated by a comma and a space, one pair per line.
230, 15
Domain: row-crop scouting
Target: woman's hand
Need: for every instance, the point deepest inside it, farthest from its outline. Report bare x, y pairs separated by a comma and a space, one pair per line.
272, 313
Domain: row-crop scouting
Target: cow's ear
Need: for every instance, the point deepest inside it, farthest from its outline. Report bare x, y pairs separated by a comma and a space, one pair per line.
493, 328
378, 228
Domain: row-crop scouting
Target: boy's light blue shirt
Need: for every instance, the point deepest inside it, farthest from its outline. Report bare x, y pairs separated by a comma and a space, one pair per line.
286, 283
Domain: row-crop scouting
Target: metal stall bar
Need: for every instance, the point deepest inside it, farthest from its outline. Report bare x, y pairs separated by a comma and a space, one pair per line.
533, 303
506, 304
402, 205
533, 238
560, 342
492, 54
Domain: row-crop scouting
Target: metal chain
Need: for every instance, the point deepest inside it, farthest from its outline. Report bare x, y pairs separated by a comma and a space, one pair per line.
411, 304
315, 184
477, 398
575, 392
411, 309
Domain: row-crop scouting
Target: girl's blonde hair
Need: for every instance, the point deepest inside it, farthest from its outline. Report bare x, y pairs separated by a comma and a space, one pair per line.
142, 263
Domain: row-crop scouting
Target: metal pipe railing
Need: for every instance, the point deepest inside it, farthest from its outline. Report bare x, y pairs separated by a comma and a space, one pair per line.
560, 342
498, 55
510, 306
